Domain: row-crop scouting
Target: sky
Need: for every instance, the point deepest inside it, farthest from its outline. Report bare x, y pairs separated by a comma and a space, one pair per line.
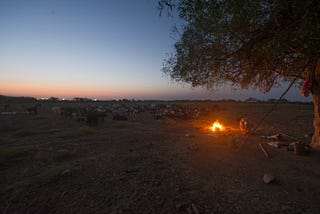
103, 49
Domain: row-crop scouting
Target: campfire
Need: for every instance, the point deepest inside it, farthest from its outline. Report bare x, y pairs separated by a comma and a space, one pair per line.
216, 126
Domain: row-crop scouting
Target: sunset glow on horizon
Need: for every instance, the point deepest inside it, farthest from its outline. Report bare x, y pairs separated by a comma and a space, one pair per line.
64, 91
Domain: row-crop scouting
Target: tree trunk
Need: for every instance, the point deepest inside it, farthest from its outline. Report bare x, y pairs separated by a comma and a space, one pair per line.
315, 142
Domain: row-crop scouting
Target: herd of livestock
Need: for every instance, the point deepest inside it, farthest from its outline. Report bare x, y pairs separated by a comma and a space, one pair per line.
92, 114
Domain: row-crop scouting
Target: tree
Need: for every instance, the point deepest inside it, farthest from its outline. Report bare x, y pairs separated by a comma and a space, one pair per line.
53, 99
256, 44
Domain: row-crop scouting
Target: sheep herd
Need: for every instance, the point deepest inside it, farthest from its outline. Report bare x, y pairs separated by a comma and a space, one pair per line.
93, 114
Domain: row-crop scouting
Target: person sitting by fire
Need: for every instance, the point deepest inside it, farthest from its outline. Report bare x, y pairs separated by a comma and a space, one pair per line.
244, 125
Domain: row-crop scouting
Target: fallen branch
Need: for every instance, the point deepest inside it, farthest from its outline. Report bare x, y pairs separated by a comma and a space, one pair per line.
264, 151
289, 136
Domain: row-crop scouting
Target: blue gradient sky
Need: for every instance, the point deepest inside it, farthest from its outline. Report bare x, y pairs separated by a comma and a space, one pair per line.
106, 49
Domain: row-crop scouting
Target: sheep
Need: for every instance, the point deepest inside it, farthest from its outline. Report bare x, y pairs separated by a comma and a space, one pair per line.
32, 110
118, 116
67, 111
92, 118
56, 109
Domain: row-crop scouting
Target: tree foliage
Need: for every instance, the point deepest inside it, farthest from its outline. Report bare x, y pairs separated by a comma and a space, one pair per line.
248, 43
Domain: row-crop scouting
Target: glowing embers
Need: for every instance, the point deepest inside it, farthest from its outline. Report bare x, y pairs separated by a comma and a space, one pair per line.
216, 126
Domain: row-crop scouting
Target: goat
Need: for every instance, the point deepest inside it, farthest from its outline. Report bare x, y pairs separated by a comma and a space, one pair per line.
68, 111
118, 116
32, 110
92, 118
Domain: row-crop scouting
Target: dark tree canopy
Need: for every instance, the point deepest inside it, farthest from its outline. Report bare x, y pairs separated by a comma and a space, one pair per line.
247, 43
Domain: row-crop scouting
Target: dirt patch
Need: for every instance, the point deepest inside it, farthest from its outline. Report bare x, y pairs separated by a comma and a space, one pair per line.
54, 164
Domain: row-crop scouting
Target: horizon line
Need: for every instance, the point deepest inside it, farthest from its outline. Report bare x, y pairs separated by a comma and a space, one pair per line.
89, 99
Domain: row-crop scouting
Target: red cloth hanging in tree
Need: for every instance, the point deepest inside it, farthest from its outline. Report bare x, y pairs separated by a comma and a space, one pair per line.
307, 86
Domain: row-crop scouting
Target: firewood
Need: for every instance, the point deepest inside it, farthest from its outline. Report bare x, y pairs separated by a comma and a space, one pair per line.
264, 151
194, 208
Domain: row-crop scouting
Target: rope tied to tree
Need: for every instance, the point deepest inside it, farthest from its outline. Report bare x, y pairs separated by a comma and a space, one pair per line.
274, 105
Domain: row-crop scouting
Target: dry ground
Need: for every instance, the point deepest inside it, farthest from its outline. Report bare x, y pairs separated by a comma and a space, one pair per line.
50, 164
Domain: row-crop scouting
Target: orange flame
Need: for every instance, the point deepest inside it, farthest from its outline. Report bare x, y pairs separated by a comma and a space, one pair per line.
216, 126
